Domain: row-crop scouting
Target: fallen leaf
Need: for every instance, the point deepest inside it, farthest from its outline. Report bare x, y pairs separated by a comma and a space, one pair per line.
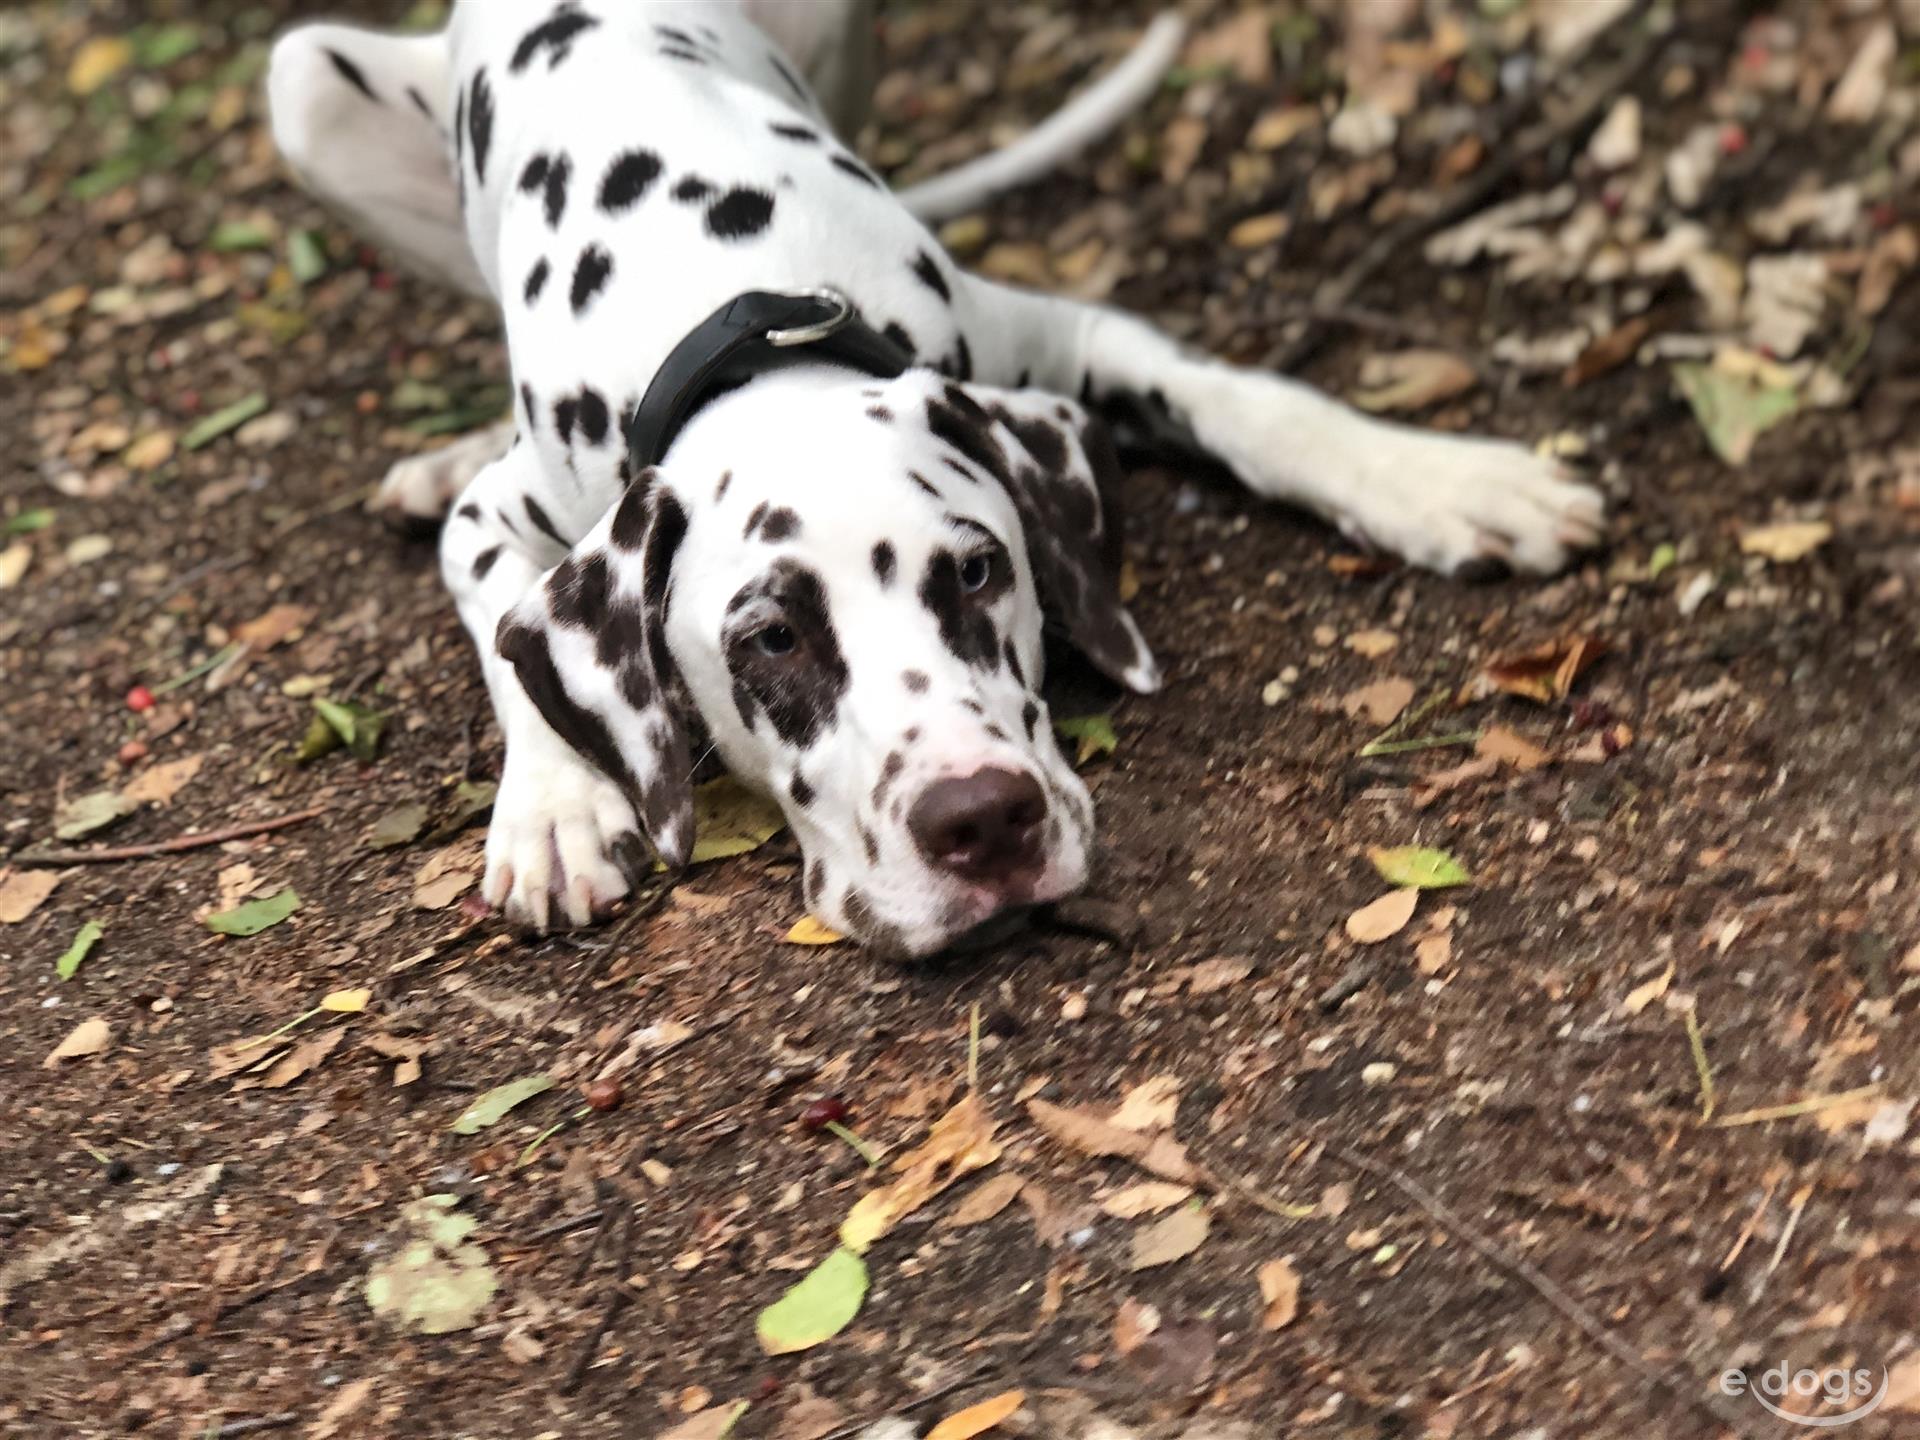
1433, 953
1149, 1106
729, 819
1221, 972
1160, 1155
1734, 410
1174, 1237
1281, 127
89, 1037
1499, 743
150, 451
1150, 1197
960, 1142
297, 1061
438, 1281
1785, 543
77, 952
1372, 644
346, 1400
158, 784
356, 727
490, 1107
447, 874
715, 1424
1609, 352
1418, 868
471, 800
85, 814
346, 1002
1280, 1288
1094, 733
399, 826
97, 61
1258, 231
1408, 380
1384, 918
986, 1200
1381, 702
978, 1419
1641, 996
1903, 1385
1545, 673
809, 931
230, 417
255, 915
14, 561
22, 891
817, 1308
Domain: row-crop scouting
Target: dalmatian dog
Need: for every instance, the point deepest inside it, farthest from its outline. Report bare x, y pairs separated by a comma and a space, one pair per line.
780, 477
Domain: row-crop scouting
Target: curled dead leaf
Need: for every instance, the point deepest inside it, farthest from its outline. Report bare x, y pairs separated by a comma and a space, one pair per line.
1384, 918
1280, 1289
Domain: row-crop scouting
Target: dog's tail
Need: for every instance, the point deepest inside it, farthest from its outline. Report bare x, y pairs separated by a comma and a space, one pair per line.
1062, 135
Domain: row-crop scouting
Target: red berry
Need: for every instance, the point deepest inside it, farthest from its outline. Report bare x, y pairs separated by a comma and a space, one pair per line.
824, 1112
1885, 215
133, 752
383, 279
140, 699
1733, 139
603, 1094
768, 1387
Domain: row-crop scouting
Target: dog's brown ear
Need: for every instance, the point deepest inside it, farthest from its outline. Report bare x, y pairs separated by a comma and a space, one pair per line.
1057, 464
589, 648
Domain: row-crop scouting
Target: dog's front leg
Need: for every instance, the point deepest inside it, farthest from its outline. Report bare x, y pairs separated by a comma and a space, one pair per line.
1441, 501
564, 843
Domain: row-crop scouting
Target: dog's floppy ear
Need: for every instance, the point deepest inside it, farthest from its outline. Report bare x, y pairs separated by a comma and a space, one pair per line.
1058, 465
589, 648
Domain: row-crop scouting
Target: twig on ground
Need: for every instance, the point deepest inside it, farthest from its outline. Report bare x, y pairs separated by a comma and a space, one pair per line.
253, 1425
114, 854
1702, 1066
1812, 1105
567, 1227
618, 1296
1753, 1223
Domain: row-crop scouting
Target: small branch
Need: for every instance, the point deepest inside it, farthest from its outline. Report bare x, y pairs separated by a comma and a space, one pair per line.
618, 1297
252, 1426
115, 854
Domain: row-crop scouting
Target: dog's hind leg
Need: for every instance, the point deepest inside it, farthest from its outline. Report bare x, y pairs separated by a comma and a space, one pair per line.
424, 486
1446, 502
365, 120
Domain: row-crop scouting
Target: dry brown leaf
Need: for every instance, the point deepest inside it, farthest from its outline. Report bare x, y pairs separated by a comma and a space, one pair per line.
1372, 644
1412, 380
89, 1037
1180, 147
1149, 1106
1242, 44
1281, 127
1280, 1288
1433, 953
158, 784
1500, 743
1545, 673
296, 1062
1219, 973
1903, 1385
346, 1400
1384, 918
1090, 1135
21, 892
1133, 1322
1429, 788
1785, 543
1150, 1197
447, 874
1171, 1238
1381, 702
1259, 231
279, 624
961, 1142
811, 1417
1641, 996
986, 1200
978, 1419
1609, 352
1893, 254
708, 1424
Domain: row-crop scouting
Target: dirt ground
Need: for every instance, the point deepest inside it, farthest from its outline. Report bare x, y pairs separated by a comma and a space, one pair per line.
1478, 1145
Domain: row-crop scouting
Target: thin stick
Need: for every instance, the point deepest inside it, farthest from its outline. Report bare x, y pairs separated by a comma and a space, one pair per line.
973, 1048
1812, 1105
1431, 742
1796, 1207
253, 1426
1753, 1223
1702, 1066
617, 1298
115, 854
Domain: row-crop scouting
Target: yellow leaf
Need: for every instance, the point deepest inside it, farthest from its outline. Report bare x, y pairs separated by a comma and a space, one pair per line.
1786, 543
346, 1002
978, 1419
97, 62
729, 819
961, 1142
809, 931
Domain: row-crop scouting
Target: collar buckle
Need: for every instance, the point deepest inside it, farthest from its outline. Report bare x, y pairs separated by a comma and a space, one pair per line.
819, 329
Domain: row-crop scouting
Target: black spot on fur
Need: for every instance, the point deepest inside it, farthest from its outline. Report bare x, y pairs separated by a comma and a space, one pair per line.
554, 35
883, 562
526, 398
740, 214
965, 628
792, 80
851, 166
631, 515
1013, 664
959, 468
962, 358
692, 190
480, 123
897, 333
352, 74
915, 680
537, 279
676, 35
755, 517
799, 134
578, 590
590, 276
802, 793
594, 418
870, 845
564, 412
816, 882
468, 511
925, 484
927, 271
628, 179
677, 52
585, 730
483, 562
420, 102
957, 419
799, 692
554, 205
1029, 714
890, 770
533, 174
880, 413
543, 522
720, 489
781, 524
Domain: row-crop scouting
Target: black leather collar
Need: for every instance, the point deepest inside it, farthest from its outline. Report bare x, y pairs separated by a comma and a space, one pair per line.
750, 336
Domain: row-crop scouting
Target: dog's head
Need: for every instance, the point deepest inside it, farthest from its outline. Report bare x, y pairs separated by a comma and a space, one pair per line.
848, 579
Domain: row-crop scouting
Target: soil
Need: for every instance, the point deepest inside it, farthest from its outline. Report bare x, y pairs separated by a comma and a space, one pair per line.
1746, 842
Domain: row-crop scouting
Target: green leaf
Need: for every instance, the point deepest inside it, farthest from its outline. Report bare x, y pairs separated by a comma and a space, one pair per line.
306, 257
255, 915
730, 819
438, 1280
228, 418
1734, 410
89, 935
1095, 734
358, 727
471, 800
239, 235
1662, 560
400, 826
1412, 867
489, 1107
28, 521
320, 739
818, 1308
87, 813
159, 45
413, 395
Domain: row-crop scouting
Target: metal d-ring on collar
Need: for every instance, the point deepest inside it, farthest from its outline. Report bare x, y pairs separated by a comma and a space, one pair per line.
752, 335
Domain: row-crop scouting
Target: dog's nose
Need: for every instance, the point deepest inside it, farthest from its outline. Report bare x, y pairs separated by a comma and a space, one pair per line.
983, 827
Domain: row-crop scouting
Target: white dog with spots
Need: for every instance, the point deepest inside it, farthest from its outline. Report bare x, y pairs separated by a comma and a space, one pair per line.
833, 564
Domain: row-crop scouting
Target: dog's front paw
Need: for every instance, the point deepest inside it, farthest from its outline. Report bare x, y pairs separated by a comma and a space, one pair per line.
564, 844
424, 487
1452, 503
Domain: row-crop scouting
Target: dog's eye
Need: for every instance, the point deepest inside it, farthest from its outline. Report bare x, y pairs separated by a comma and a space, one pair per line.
976, 571
775, 640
